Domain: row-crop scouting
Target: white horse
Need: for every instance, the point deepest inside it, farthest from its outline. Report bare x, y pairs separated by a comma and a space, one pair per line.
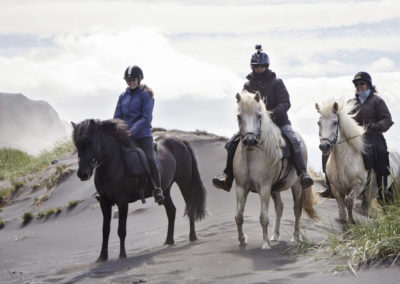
342, 138
258, 164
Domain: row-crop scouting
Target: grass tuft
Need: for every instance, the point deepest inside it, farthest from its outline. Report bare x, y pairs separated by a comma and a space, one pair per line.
26, 218
15, 163
72, 204
2, 223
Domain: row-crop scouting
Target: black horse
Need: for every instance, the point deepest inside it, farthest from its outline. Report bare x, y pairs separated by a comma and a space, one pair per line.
101, 147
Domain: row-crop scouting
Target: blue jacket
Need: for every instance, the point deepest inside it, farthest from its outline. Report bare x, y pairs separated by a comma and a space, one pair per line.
136, 109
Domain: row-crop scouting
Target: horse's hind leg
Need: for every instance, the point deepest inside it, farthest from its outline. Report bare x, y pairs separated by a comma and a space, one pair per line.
106, 210
241, 197
276, 197
122, 216
171, 212
297, 209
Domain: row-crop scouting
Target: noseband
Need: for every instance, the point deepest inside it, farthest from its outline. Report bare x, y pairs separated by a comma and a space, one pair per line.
257, 135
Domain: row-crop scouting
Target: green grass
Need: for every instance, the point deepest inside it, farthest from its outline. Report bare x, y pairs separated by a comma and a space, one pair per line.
58, 210
2, 223
26, 218
373, 240
40, 215
72, 204
15, 163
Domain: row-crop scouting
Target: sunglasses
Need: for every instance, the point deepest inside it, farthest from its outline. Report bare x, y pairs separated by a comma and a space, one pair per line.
360, 84
130, 79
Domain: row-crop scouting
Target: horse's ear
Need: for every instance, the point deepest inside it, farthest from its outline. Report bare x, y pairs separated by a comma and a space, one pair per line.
238, 97
335, 107
257, 97
73, 125
92, 125
317, 107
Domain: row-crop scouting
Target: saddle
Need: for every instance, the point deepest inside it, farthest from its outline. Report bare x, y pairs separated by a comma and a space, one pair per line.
136, 165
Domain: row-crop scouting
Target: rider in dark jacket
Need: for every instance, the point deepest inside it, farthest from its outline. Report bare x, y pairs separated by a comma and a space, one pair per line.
371, 111
276, 98
135, 107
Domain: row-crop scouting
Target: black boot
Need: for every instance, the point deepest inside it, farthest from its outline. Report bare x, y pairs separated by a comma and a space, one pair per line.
305, 180
327, 193
158, 196
225, 184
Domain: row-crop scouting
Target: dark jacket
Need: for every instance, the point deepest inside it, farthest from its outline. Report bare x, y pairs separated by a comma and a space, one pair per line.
274, 95
373, 113
136, 109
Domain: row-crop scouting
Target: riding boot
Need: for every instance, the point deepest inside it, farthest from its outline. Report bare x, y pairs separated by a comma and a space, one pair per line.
226, 183
384, 195
327, 193
158, 196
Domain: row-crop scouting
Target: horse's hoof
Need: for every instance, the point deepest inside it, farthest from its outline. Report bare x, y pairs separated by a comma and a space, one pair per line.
169, 242
294, 238
243, 242
193, 239
121, 256
101, 259
266, 246
274, 237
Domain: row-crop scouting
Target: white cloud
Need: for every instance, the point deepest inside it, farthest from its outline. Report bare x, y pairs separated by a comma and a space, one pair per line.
382, 65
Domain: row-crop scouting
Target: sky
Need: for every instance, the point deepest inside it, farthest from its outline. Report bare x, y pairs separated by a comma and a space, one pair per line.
195, 56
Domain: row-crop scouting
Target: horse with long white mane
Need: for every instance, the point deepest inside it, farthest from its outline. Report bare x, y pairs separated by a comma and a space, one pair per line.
259, 164
343, 140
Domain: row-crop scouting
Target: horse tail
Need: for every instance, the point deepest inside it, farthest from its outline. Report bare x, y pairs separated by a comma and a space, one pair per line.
308, 200
196, 203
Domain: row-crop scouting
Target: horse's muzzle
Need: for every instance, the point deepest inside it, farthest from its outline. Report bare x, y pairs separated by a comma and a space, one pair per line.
250, 140
325, 147
84, 174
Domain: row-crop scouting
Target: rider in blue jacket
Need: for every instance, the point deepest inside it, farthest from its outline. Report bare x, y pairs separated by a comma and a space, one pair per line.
135, 107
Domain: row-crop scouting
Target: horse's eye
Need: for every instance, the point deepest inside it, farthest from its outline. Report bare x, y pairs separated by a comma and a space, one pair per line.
335, 123
319, 123
258, 116
239, 117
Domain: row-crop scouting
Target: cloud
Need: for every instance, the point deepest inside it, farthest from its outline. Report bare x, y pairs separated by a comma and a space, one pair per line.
382, 65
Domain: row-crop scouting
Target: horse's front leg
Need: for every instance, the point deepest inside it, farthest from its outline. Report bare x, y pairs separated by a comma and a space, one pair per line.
106, 210
123, 214
276, 197
241, 197
355, 192
341, 207
265, 194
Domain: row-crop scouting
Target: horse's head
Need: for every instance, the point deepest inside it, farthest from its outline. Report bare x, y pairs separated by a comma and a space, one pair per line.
87, 143
249, 115
328, 127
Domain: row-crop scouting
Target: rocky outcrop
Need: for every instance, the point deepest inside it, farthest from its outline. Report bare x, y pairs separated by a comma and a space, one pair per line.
29, 125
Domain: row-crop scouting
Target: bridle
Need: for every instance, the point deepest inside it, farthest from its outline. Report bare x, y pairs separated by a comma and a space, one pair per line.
256, 135
335, 138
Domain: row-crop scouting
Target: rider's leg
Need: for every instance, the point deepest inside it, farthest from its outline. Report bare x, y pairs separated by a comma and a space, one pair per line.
297, 156
226, 183
146, 144
381, 166
327, 193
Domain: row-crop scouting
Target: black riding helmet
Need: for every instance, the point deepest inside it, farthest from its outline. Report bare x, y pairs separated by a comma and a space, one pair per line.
133, 72
259, 58
363, 76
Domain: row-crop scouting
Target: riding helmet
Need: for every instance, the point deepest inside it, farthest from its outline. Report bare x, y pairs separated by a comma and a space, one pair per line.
363, 76
133, 72
260, 57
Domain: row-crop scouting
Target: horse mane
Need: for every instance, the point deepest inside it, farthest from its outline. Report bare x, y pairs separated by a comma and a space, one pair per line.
116, 128
270, 133
349, 128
